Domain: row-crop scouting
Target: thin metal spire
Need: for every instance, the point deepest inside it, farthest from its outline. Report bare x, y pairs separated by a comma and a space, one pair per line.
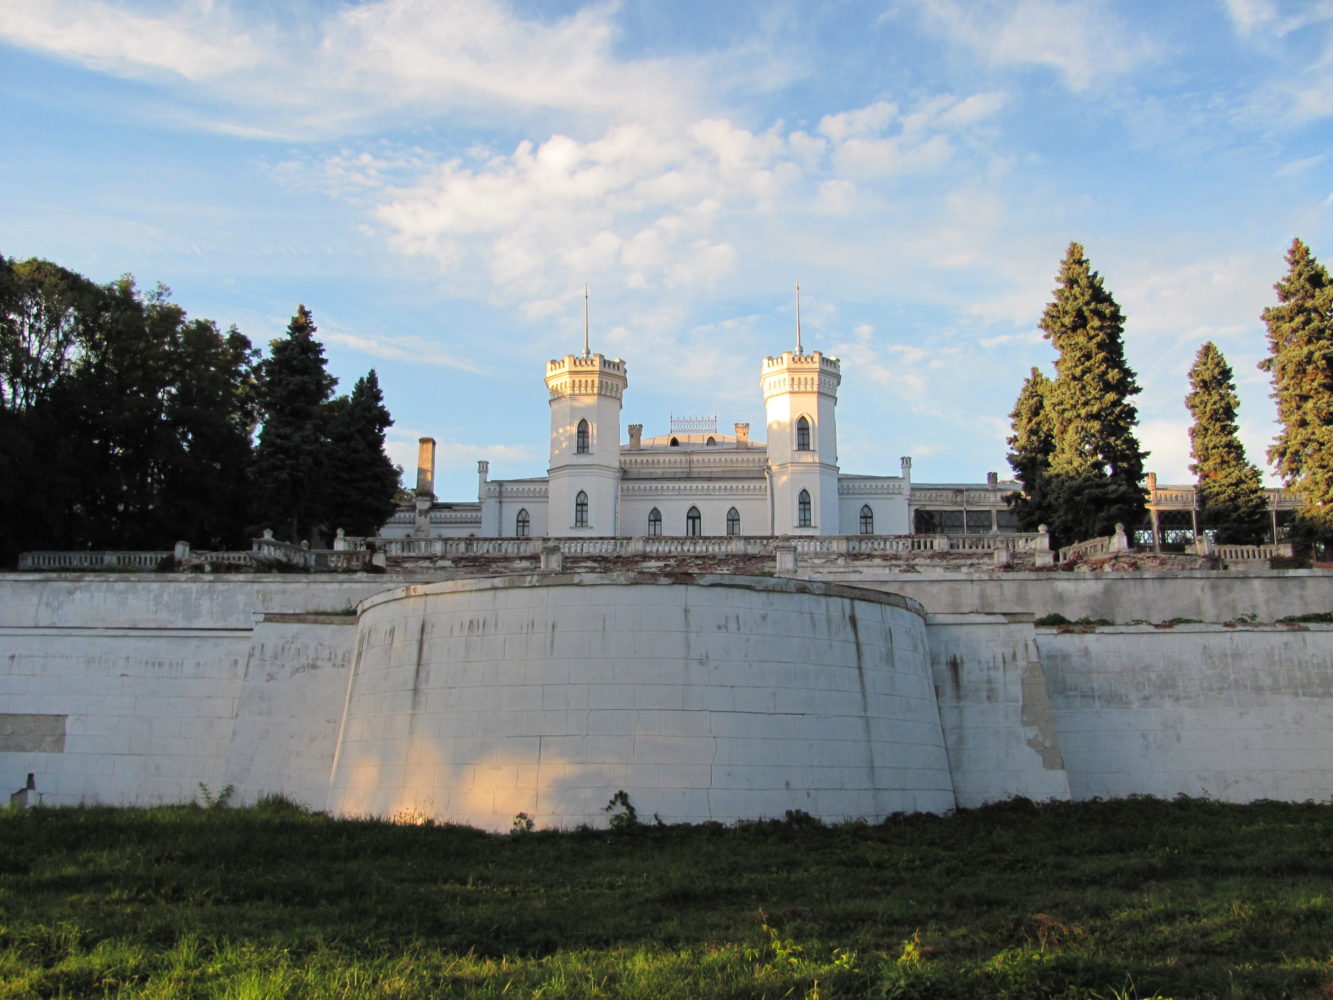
798, 317
586, 352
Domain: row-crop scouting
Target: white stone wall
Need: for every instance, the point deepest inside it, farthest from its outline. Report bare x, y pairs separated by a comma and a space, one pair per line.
723, 699
146, 712
998, 721
290, 706
1229, 713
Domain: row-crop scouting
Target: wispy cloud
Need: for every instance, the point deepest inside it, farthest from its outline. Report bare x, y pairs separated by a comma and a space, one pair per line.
1082, 40
413, 349
342, 72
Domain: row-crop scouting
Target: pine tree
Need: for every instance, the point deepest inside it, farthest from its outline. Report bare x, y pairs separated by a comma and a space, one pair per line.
290, 461
1032, 443
1230, 492
362, 482
1096, 468
1300, 341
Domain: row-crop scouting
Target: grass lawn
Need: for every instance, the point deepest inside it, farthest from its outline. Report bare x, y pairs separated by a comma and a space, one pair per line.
1134, 898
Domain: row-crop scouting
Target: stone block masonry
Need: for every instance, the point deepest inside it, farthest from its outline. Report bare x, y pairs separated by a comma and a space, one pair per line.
704, 696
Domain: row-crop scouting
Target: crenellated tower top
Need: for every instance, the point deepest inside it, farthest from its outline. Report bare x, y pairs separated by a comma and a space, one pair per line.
795, 372
591, 375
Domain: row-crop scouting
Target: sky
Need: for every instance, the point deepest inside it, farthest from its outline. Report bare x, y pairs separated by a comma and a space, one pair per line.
438, 180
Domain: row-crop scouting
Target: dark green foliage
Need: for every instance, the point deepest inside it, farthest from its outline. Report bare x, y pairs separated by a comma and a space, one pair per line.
1300, 362
291, 458
1230, 494
123, 424
362, 482
1095, 473
1127, 898
1033, 442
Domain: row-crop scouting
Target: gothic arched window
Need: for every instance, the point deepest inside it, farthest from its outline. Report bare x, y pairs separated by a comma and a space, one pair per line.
522, 523
733, 522
654, 522
581, 510
867, 520
802, 434
694, 523
581, 438
803, 519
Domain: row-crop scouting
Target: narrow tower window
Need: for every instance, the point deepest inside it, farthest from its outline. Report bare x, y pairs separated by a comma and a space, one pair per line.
654, 522
867, 520
581, 510
803, 509
733, 522
522, 523
694, 523
802, 434
581, 438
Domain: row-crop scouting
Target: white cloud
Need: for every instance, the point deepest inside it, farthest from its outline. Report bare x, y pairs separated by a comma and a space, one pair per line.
345, 71
1083, 40
197, 41
413, 349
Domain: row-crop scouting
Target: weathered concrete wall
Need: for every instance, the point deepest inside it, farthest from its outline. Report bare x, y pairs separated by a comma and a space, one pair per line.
734, 698
146, 713
290, 706
714, 698
1229, 713
1215, 596
998, 722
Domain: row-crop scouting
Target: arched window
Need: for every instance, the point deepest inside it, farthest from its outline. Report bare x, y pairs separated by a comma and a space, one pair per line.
802, 434
733, 522
803, 519
694, 523
522, 523
654, 522
867, 520
710, 443
581, 510
581, 438
675, 443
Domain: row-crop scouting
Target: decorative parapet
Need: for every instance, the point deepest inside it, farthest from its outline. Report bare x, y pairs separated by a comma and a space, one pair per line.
791, 372
74, 561
594, 375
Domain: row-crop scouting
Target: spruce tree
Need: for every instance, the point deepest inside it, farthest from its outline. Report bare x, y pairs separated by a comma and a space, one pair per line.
291, 458
362, 482
1032, 443
1095, 474
1300, 340
1230, 493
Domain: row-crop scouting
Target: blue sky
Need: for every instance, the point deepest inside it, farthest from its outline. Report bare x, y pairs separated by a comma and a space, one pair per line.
438, 180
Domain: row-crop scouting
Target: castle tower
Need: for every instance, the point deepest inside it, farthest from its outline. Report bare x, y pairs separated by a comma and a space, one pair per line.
584, 489
800, 394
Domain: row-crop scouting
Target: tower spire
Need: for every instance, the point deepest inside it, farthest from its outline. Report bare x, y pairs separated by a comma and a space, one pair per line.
798, 317
586, 352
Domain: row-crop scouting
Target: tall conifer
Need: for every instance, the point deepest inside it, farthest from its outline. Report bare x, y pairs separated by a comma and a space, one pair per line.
1032, 442
1230, 494
291, 457
362, 481
1300, 340
1096, 468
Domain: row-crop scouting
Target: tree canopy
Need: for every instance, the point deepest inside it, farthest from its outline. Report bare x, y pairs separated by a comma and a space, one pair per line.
1230, 495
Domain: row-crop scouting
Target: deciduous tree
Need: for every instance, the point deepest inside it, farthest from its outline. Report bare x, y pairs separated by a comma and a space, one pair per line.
1230, 493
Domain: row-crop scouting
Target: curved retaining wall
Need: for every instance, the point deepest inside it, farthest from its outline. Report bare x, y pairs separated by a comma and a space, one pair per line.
703, 697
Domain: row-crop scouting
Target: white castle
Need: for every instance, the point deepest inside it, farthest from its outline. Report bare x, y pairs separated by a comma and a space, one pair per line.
721, 627
694, 480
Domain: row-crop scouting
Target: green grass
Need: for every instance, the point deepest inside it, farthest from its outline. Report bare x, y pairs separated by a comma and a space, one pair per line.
1125, 899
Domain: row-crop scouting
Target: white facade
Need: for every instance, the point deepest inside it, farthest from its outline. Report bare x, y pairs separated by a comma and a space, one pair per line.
691, 480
